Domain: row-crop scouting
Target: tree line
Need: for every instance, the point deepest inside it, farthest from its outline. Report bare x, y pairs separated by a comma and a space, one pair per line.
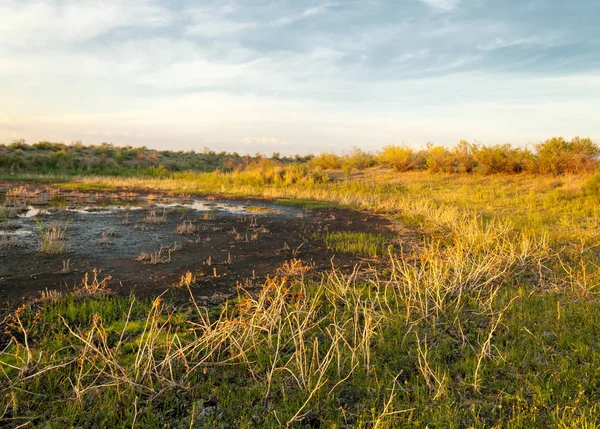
554, 156
105, 158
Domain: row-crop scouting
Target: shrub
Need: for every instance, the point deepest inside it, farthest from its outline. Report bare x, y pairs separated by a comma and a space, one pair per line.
158, 171
358, 160
464, 154
440, 160
326, 161
558, 156
501, 159
402, 158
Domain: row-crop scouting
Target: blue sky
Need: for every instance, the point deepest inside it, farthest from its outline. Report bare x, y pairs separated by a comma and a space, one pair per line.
298, 76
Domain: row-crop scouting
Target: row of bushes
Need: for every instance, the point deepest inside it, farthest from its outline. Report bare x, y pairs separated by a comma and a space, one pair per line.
554, 156
76, 158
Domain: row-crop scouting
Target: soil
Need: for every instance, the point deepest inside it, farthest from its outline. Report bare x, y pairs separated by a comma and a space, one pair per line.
236, 242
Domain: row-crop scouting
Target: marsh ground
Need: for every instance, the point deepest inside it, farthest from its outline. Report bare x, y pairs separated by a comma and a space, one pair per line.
223, 243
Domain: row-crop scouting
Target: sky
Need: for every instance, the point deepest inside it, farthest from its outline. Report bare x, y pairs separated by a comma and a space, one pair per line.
297, 76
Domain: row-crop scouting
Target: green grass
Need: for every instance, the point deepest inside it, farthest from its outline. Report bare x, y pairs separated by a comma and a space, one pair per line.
491, 319
34, 178
356, 243
307, 204
543, 369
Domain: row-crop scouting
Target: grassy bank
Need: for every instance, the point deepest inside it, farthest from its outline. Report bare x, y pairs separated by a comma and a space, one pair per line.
558, 206
491, 320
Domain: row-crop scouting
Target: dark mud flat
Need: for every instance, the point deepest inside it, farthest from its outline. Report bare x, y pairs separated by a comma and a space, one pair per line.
235, 242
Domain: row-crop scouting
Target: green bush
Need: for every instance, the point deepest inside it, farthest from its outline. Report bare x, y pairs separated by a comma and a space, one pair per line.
326, 161
464, 154
357, 160
402, 158
159, 171
440, 160
558, 156
501, 159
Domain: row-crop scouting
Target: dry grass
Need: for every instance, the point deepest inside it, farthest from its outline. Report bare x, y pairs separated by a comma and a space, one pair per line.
209, 215
125, 219
53, 238
155, 219
309, 339
104, 239
66, 267
93, 286
160, 256
49, 296
22, 192
10, 241
187, 279
295, 268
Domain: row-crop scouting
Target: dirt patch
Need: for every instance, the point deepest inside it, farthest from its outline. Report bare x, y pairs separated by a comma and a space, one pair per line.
146, 243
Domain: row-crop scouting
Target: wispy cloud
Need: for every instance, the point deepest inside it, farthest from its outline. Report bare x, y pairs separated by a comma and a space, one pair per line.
302, 15
441, 4
264, 141
35, 24
215, 22
508, 42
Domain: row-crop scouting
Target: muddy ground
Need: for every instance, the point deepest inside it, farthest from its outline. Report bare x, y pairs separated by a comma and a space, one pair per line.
234, 242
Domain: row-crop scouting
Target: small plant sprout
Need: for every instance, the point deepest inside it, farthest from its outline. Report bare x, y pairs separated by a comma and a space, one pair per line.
66, 266
93, 286
294, 267
125, 219
263, 230
186, 228
253, 222
155, 219
187, 279
161, 256
209, 215
49, 296
7, 241
104, 240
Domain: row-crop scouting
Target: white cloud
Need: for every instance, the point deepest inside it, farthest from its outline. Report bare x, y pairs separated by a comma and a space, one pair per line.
441, 4
202, 73
317, 10
306, 13
38, 24
215, 22
5, 120
263, 141
507, 42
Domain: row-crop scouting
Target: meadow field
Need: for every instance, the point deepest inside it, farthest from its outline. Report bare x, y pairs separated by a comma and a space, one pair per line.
473, 303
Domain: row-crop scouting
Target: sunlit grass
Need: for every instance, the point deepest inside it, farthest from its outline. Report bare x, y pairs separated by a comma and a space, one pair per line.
489, 320
356, 243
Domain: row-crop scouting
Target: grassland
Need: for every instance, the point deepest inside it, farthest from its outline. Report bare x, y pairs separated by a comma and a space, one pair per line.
488, 319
